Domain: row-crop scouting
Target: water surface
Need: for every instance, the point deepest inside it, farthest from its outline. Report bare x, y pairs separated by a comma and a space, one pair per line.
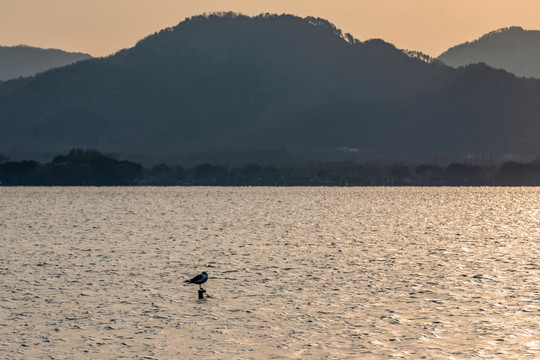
344, 273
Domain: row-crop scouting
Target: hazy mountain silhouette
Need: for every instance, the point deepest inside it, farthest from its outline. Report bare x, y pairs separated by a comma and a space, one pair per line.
17, 61
227, 88
512, 49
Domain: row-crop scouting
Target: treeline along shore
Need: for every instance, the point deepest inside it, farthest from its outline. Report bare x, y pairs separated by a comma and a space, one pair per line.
91, 168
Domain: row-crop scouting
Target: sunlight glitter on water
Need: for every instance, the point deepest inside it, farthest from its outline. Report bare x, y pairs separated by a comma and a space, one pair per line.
353, 273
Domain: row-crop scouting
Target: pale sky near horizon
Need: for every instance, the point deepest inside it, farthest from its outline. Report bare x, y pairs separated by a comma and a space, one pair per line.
102, 27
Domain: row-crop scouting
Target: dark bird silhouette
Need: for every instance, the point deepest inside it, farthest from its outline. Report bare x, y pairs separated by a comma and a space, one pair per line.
199, 279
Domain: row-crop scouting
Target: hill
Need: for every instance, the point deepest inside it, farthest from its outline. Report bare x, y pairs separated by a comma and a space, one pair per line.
227, 88
21, 61
512, 49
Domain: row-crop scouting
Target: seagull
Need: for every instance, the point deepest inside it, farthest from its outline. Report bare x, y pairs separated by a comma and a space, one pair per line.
199, 279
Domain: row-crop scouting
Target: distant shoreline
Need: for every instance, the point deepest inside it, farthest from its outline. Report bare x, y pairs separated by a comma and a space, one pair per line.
91, 168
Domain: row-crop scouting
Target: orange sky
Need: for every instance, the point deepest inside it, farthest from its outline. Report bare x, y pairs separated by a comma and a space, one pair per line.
102, 27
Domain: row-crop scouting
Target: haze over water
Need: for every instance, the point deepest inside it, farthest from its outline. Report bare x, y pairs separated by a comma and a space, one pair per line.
345, 273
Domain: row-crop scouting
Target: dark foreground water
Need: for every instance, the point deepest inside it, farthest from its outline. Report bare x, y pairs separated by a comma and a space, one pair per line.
295, 273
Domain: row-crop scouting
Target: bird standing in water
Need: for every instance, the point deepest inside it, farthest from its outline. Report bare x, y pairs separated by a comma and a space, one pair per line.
199, 279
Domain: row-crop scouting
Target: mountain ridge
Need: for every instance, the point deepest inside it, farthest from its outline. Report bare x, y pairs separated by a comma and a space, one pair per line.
513, 49
23, 60
272, 88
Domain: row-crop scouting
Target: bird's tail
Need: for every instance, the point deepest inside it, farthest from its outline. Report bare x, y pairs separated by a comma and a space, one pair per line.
186, 281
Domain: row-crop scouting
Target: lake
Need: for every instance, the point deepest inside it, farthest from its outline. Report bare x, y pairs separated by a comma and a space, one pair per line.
294, 273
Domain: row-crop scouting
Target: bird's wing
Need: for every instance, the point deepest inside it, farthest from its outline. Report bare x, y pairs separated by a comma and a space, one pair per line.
196, 278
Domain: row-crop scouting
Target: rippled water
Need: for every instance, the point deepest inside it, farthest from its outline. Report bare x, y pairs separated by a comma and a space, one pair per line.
344, 273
